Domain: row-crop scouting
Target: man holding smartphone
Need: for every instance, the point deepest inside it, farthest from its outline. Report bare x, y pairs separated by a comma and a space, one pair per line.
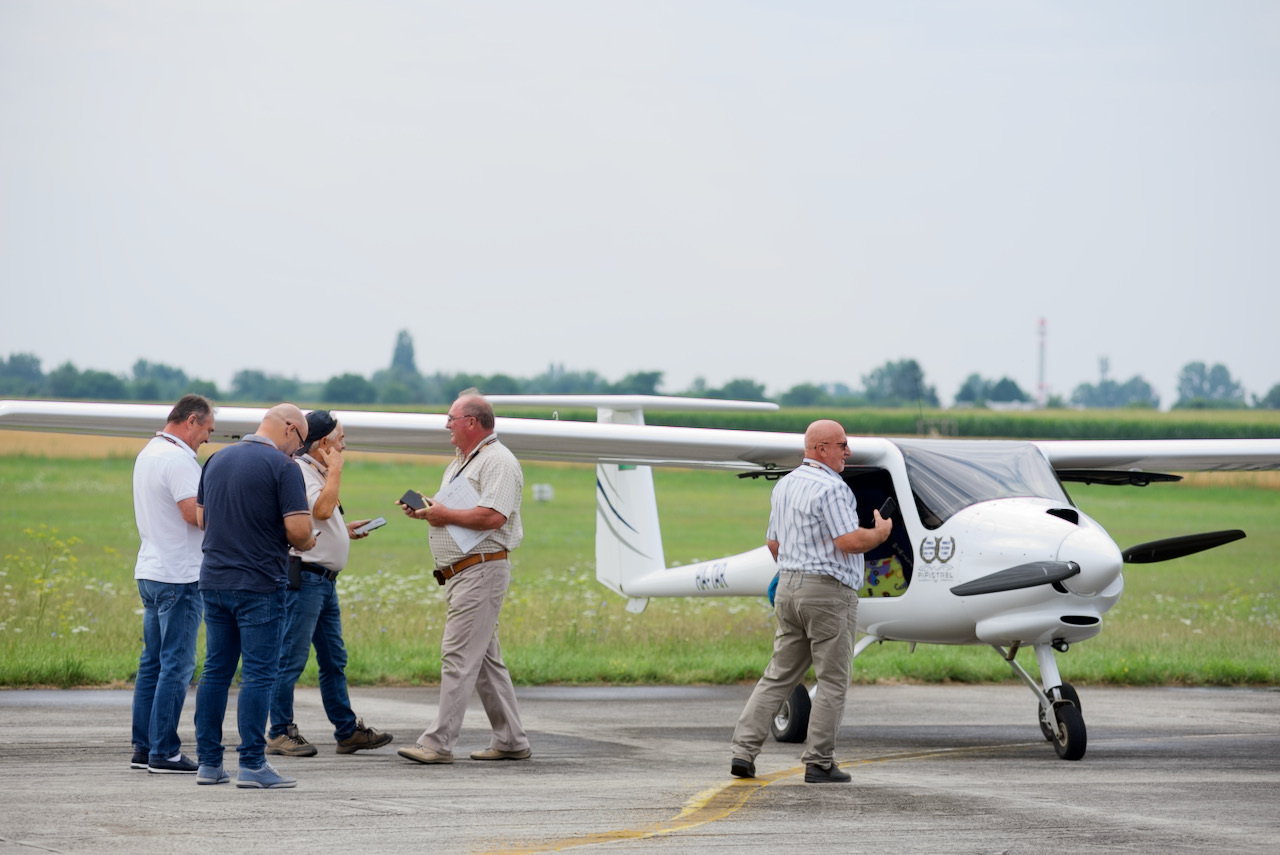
814, 536
312, 613
476, 580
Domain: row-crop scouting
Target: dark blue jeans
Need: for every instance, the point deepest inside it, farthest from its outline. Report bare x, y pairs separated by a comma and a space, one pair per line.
170, 622
313, 617
244, 627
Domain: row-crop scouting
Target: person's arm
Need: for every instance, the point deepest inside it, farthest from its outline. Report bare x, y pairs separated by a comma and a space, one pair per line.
865, 539
187, 507
298, 530
199, 517
327, 501
773, 548
478, 518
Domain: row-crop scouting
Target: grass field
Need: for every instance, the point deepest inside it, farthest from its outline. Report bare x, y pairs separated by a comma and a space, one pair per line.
69, 610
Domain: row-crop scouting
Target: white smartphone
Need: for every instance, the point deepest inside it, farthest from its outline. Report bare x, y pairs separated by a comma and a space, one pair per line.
370, 526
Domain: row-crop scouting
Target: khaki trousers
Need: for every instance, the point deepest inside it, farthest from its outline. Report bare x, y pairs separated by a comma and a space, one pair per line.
817, 617
471, 659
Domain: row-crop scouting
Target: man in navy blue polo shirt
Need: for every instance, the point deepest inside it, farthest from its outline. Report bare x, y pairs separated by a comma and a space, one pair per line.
252, 505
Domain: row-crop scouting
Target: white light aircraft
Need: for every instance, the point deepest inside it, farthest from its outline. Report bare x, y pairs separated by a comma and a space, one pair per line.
987, 547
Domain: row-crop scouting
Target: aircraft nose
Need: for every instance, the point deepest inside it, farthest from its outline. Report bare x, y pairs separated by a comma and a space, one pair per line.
1099, 559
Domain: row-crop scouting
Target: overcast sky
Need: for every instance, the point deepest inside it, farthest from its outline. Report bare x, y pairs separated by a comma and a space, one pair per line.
788, 192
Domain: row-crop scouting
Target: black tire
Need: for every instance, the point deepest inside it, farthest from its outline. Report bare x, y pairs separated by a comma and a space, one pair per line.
1071, 744
791, 721
1067, 692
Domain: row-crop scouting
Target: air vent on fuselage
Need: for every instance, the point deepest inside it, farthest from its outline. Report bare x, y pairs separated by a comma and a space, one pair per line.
1071, 515
1079, 620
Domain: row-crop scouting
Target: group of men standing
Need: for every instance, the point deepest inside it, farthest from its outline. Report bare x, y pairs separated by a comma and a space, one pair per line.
254, 542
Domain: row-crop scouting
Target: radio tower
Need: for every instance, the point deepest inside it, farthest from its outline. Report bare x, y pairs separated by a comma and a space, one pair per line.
1042, 396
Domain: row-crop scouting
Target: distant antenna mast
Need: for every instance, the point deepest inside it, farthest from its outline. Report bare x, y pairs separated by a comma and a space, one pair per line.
1043, 394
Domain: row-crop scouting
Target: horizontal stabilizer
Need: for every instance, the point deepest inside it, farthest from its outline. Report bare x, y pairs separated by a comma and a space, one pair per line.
1022, 576
1176, 547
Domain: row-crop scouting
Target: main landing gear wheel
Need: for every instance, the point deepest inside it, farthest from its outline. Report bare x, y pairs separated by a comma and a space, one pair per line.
791, 721
1070, 743
1066, 692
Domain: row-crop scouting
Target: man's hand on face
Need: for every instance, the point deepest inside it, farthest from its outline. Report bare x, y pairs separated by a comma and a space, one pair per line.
330, 458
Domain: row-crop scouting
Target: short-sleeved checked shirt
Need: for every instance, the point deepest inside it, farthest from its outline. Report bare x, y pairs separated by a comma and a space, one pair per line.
810, 508
496, 475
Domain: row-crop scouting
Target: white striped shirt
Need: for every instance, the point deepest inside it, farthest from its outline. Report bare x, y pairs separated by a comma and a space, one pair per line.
810, 508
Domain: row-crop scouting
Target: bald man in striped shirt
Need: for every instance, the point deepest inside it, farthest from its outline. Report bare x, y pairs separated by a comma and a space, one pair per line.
814, 536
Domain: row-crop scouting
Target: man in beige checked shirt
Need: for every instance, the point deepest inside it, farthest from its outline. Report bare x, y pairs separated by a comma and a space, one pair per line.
475, 585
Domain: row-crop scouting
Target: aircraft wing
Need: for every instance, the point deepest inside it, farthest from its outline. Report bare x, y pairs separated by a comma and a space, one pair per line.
1178, 455
655, 445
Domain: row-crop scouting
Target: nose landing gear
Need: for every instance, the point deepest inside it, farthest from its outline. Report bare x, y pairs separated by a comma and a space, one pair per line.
1061, 717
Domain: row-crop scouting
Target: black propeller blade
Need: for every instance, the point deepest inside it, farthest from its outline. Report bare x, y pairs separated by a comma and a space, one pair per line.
1176, 547
1022, 576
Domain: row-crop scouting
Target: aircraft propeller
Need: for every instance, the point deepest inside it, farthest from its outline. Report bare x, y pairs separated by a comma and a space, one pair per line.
1176, 547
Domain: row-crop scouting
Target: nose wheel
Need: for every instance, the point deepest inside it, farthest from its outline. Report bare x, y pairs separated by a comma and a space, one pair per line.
1061, 718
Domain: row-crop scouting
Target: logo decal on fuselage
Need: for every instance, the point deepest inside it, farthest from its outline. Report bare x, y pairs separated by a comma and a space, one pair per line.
940, 549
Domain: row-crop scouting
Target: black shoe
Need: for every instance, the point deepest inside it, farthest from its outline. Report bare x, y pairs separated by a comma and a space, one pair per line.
742, 768
815, 774
139, 760
182, 766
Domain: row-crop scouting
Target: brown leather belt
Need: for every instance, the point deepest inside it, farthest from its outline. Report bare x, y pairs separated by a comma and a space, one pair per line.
444, 574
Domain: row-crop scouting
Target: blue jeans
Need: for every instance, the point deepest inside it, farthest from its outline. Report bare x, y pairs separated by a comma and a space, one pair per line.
312, 616
245, 627
170, 622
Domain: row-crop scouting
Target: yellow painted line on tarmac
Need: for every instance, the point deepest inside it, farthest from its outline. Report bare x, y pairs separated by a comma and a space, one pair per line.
719, 802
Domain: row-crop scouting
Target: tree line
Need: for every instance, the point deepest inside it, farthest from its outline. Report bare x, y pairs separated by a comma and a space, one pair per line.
899, 383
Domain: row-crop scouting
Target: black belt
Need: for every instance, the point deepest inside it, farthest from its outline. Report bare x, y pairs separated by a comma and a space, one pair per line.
319, 570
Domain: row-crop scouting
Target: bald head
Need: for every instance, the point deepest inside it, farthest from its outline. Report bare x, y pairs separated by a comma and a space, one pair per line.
284, 425
826, 442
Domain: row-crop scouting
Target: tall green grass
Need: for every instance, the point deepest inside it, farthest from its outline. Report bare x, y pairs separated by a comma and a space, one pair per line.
69, 613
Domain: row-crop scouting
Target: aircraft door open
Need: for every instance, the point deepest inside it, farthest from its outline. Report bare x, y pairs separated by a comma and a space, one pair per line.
888, 567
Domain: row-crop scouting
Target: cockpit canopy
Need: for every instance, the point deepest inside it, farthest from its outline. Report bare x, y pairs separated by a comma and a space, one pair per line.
947, 477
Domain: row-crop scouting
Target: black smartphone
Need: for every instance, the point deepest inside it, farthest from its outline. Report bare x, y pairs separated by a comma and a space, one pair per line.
889, 508
413, 499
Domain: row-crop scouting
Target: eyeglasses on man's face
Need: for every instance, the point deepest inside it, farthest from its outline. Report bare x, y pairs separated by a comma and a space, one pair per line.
843, 445
450, 419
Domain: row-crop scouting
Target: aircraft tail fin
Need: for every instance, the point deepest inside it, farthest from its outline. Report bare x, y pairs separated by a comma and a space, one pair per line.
628, 532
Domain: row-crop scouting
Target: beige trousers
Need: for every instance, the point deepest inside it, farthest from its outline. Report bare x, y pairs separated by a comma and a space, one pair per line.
471, 659
817, 617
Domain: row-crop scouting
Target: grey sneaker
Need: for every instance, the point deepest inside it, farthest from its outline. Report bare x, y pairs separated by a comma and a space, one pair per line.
212, 775
363, 738
266, 778
290, 744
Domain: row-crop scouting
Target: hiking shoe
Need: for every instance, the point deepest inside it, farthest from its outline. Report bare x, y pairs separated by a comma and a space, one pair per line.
266, 778
184, 765
418, 754
499, 754
139, 760
815, 774
212, 775
290, 744
361, 738
740, 768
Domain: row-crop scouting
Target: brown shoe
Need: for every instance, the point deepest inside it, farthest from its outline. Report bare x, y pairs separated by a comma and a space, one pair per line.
499, 754
363, 738
419, 754
290, 744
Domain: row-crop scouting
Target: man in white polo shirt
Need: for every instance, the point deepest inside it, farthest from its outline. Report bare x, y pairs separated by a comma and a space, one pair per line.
165, 480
